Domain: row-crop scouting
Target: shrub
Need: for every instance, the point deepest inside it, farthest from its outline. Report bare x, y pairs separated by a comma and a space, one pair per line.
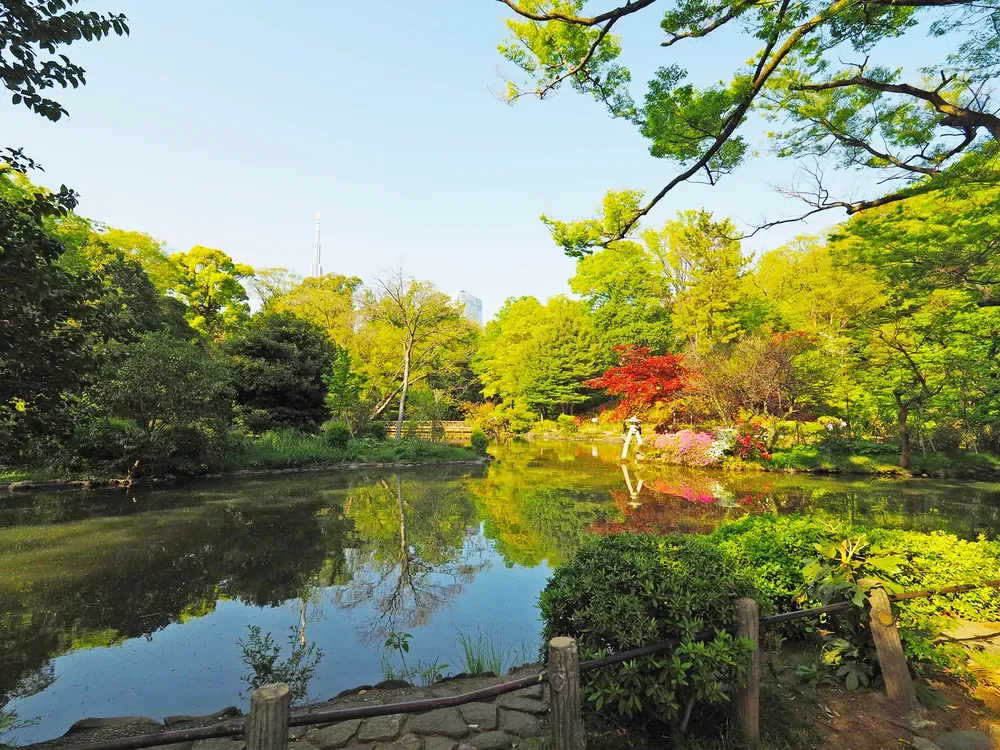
633, 590
261, 654
685, 447
774, 549
373, 430
337, 434
751, 443
479, 442
770, 550
566, 424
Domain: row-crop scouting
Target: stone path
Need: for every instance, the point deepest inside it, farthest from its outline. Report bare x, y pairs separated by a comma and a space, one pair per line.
484, 725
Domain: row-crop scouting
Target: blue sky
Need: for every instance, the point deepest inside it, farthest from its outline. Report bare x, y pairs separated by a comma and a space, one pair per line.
230, 123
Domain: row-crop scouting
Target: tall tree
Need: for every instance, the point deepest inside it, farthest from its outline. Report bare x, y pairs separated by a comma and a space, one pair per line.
270, 284
47, 317
949, 240
328, 301
419, 328
704, 268
625, 291
539, 355
824, 69
279, 364
208, 282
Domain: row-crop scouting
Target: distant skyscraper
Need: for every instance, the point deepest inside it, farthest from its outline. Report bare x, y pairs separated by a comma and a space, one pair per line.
472, 307
317, 266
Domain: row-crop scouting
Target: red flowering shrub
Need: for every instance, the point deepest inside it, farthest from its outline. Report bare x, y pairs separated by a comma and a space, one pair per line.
751, 443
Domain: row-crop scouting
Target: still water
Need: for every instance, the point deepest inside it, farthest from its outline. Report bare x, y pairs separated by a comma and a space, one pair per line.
116, 604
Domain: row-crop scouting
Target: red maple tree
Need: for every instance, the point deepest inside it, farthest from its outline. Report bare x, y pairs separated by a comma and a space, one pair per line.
641, 380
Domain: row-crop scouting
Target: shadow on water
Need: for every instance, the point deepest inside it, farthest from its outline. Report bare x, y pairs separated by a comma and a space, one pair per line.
132, 604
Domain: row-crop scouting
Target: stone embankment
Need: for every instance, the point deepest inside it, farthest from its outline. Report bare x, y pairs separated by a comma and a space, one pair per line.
484, 725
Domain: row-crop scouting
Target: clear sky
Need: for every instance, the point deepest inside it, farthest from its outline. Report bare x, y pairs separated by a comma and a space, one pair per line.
229, 123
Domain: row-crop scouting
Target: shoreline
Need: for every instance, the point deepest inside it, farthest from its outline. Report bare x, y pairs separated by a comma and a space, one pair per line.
896, 473
118, 483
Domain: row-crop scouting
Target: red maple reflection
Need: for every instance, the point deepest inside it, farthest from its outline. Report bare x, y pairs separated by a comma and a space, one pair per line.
689, 508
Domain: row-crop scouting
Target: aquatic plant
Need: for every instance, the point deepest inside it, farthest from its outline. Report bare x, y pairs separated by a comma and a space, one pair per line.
485, 652
261, 655
421, 673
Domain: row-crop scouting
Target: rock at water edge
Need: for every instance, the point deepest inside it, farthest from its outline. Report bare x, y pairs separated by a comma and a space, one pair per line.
443, 721
381, 728
523, 725
481, 715
335, 736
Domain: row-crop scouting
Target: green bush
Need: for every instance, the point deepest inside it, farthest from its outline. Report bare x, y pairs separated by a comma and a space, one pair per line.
114, 445
774, 551
337, 434
566, 424
479, 442
632, 590
373, 430
770, 549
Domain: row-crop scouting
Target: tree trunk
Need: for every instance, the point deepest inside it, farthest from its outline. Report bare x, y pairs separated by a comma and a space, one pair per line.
402, 395
904, 431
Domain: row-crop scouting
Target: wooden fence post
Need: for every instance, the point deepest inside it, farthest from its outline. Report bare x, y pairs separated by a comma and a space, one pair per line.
746, 702
567, 709
896, 672
267, 725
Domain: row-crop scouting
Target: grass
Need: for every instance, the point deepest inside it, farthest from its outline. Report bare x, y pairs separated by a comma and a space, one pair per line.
485, 652
884, 463
283, 449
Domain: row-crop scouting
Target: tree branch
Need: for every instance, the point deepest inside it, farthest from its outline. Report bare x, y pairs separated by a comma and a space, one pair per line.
612, 15
542, 92
955, 116
705, 30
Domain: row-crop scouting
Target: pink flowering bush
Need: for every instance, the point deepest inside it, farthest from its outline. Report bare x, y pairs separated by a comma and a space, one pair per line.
687, 447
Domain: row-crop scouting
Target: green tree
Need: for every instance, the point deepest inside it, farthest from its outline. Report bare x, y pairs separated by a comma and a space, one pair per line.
133, 271
625, 291
704, 270
413, 331
823, 70
327, 301
279, 363
159, 382
540, 355
813, 291
208, 283
948, 240
345, 393
270, 284
47, 316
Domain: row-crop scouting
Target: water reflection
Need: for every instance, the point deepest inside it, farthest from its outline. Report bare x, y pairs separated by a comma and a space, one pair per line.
115, 604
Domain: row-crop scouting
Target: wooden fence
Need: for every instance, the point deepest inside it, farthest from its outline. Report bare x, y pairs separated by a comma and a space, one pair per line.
266, 728
427, 430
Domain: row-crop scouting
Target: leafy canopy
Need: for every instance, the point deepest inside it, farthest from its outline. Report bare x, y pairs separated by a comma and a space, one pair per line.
208, 282
823, 73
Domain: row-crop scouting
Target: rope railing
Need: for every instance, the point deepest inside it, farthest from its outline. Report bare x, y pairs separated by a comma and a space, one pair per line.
890, 655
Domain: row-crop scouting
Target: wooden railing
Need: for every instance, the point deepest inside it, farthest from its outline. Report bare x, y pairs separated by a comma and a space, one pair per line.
427, 429
266, 728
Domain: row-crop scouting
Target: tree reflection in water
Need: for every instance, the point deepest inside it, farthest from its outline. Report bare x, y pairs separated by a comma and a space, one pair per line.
416, 546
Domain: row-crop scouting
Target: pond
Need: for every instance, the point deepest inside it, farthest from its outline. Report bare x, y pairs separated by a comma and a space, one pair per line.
116, 604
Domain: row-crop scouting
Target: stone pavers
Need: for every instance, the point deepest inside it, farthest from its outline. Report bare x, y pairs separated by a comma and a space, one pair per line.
483, 725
